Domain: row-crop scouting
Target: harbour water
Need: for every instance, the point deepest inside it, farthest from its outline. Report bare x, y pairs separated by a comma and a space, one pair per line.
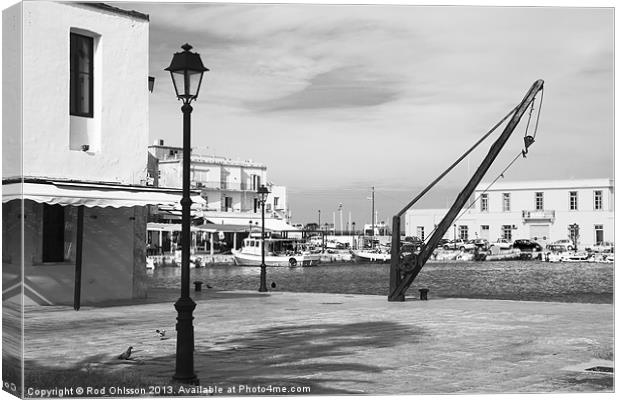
509, 280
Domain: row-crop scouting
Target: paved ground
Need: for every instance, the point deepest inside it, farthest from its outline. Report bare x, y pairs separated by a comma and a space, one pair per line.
340, 343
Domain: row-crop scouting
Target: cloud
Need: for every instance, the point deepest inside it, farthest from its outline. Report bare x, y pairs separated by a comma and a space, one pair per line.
339, 94
338, 88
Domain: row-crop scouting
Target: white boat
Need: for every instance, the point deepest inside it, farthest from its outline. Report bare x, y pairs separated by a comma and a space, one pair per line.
576, 257
278, 253
372, 255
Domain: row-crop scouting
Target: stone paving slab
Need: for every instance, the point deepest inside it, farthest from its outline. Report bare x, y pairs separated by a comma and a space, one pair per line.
339, 344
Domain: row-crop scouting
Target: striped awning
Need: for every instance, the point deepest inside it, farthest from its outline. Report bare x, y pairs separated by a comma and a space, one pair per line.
92, 194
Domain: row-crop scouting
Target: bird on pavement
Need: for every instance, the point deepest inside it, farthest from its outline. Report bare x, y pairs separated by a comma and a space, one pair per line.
126, 354
161, 333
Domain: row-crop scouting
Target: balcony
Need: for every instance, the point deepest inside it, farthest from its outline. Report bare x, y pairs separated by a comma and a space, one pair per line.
223, 185
538, 215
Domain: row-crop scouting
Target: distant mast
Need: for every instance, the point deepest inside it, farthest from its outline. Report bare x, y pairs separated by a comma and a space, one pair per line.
373, 218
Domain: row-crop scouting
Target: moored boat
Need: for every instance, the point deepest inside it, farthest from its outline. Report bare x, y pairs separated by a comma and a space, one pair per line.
371, 255
278, 253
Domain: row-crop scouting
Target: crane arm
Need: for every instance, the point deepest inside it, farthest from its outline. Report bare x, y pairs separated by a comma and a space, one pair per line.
402, 275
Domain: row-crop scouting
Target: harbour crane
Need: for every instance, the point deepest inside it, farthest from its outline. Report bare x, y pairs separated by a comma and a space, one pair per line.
405, 267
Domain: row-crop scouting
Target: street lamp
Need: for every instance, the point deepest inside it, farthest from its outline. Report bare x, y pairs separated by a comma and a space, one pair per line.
262, 192
186, 70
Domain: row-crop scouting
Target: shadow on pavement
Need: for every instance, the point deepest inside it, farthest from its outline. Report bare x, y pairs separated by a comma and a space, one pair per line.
321, 356
324, 357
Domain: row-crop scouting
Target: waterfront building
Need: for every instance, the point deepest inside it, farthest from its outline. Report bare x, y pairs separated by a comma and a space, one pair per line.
74, 139
544, 211
228, 187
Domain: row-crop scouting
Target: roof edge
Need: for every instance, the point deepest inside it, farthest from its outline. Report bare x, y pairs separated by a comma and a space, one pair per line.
116, 10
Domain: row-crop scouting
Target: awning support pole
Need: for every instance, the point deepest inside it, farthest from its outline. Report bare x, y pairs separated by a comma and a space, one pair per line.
211, 252
77, 288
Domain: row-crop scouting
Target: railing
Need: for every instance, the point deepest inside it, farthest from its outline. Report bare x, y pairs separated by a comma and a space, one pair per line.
223, 185
538, 215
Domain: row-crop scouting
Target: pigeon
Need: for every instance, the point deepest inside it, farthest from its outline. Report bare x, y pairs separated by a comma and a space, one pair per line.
161, 333
126, 354
209, 286
273, 285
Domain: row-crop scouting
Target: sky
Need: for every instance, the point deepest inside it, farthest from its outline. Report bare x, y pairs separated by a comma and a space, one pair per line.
335, 99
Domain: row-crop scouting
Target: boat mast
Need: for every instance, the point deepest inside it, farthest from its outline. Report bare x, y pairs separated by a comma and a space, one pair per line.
372, 237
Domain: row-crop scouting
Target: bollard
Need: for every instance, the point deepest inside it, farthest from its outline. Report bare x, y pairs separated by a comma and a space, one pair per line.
423, 294
198, 286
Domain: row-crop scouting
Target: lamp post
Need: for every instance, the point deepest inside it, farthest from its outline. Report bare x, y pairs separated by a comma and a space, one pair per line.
319, 219
186, 70
262, 192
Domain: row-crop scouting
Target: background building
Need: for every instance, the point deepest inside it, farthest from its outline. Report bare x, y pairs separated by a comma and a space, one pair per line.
540, 210
228, 187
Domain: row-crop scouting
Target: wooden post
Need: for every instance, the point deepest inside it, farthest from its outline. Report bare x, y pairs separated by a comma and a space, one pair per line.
77, 287
395, 274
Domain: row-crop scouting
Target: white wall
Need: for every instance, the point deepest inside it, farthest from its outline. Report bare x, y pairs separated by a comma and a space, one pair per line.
121, 94
12, 91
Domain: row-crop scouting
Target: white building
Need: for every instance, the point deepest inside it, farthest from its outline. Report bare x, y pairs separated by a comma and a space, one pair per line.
228, 187
539, 210
74, 135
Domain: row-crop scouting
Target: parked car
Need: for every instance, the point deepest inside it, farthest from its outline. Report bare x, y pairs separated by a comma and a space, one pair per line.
565, 243
526, 245
603, 247
556, 248
413, 242
459, 244
481, 244
501, 243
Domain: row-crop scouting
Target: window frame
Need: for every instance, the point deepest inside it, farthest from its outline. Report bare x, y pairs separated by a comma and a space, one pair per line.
539, 197
74, 74
507, 232
484, 202
464, 232
506, 202
598, 200
573, 202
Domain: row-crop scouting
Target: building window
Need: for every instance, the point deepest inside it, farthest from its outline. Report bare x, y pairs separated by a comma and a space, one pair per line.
539, 201
572, 200
598, 199
507, 232
227, 203
81, 75
484, 202
420, 232
506, 202
255, 205
53, 233
598, 234
484, 228
275, 202
463, 232
255, 182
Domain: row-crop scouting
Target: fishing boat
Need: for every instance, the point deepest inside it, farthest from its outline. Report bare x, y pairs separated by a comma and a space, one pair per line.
278, 253
371, 255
